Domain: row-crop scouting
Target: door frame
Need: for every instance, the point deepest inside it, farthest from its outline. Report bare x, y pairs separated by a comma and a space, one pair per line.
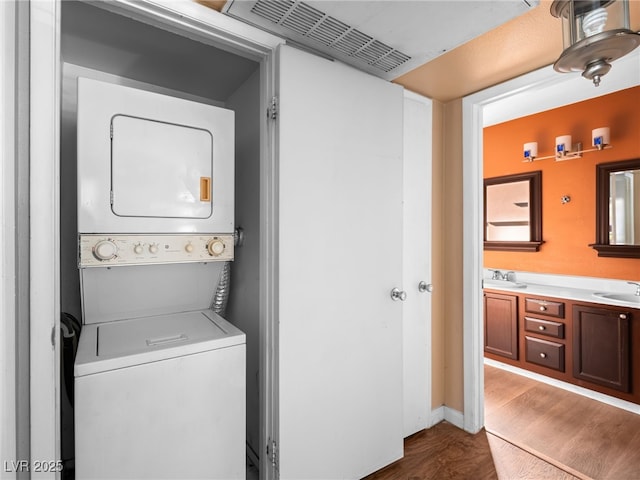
537, 91
44, 230
417, 341
44, 59
9, 287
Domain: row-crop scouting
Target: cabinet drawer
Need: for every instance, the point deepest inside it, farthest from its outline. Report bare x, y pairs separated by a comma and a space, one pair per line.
544, 307
545, 353
544, 327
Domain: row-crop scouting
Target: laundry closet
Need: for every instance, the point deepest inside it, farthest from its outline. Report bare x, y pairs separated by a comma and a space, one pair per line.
317, 283
112, 49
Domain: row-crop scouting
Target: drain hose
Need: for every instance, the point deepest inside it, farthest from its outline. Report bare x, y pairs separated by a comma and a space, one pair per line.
221, 296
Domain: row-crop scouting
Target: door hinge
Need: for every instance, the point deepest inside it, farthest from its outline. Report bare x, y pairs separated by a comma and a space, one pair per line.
111, 197
272, 111
272, 453
111, 131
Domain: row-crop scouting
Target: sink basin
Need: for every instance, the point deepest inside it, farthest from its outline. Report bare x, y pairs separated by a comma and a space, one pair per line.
491, 283
620, 297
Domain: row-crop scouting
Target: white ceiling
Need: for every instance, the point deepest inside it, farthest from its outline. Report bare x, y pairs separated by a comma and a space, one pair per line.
419, 29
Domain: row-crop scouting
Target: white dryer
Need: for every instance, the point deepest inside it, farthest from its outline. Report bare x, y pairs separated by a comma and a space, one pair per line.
159, 376
152, 163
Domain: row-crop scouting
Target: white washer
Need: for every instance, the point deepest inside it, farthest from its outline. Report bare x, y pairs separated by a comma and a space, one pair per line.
161, 397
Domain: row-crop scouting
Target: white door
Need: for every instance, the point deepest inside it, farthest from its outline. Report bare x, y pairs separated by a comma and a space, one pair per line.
340, 255
416, 314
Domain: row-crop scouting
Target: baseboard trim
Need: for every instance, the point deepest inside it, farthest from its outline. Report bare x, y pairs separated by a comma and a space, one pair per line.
452, 416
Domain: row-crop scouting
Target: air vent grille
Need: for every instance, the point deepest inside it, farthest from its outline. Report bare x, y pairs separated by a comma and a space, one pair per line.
333, 34
273, 11
331, 31
302, 18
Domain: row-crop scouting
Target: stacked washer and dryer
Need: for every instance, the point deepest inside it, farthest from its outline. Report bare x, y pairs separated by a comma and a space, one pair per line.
159, 376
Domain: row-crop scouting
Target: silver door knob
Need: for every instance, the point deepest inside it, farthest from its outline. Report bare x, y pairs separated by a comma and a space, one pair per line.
425, 287
397, 294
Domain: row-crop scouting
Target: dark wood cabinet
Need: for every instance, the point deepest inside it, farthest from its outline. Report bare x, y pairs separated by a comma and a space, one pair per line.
543, 306
543, 336
591, 345
545, 353
601, 352
547, 328
501, 325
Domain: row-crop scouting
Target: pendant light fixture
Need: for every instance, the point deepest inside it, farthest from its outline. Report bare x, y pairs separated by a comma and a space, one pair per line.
595, 32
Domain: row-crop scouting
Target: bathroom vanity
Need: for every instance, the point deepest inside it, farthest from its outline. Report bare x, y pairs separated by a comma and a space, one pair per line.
566, 334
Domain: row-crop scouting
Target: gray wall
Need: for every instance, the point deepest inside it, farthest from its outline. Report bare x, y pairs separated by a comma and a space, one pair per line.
243, 308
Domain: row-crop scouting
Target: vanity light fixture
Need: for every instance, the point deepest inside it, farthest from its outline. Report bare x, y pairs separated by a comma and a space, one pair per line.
530, 151
600, 137
594, 33
566, 150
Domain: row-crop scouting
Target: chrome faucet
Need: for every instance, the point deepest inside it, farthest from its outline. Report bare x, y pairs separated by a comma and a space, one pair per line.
637, 287
498, 275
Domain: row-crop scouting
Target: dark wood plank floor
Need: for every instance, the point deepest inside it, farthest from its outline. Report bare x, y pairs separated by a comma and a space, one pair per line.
533, 431
443, 451
446, 452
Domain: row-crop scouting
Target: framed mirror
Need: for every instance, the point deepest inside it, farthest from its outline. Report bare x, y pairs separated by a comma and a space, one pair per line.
513, 212
618, 209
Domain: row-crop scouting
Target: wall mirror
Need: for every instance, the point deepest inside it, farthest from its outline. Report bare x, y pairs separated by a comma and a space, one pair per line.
513, 212
618, 209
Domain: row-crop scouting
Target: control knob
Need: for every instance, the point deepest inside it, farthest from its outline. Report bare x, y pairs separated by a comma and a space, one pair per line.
105, 250
137, 249
215, 247
153, 248
188, 248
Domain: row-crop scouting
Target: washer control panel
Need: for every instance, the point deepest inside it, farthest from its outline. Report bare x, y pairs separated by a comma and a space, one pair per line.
111, 250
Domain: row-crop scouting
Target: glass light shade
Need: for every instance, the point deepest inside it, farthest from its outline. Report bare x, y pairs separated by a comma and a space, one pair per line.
585, 18
600, 137
530, 150
594, 32
563, 144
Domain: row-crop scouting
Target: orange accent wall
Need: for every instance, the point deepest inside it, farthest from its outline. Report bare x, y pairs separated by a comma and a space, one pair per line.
568, 229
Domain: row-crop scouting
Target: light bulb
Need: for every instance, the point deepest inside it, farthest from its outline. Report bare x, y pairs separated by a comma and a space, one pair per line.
594, 21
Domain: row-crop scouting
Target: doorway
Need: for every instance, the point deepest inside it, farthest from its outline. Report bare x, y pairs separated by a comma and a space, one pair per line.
537, 91
61, 53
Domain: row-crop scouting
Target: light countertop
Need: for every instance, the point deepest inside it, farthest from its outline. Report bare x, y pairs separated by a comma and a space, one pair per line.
581, 289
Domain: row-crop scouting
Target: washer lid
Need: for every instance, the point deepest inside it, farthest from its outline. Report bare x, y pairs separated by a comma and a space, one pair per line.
113, 345
134, 336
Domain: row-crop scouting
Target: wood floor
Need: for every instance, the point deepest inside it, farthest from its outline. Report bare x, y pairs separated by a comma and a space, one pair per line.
533, 431
588, 438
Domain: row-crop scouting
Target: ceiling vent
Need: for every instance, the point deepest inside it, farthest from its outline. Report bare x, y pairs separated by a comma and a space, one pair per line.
384, 38
333, 34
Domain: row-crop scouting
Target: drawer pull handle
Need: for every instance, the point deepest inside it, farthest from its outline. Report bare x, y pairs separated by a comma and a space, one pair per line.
543, 355
542, 308
541, 327
623, 316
